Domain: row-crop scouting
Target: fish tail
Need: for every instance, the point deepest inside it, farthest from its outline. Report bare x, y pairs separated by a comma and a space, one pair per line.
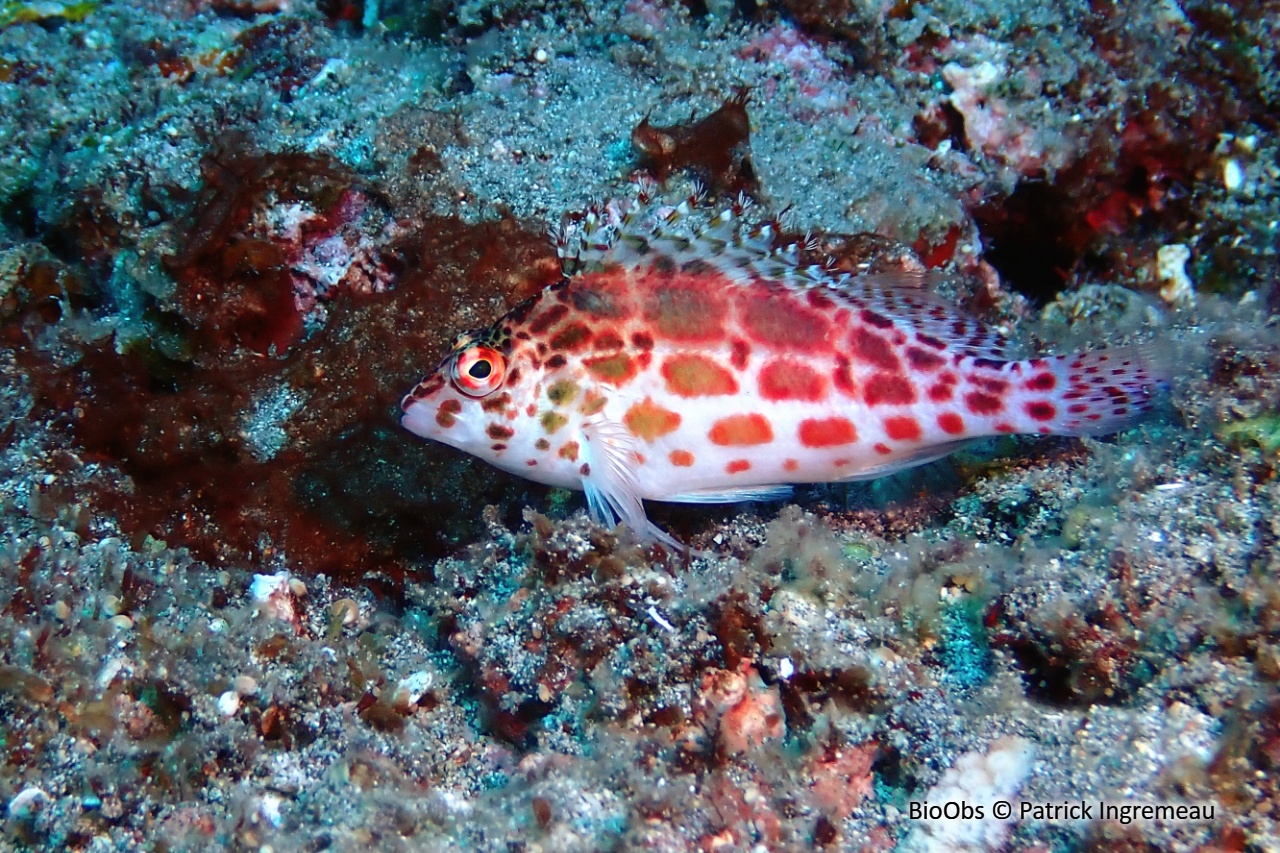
1104, 391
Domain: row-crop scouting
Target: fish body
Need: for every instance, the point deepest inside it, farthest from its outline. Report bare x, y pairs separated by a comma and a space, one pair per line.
714, 368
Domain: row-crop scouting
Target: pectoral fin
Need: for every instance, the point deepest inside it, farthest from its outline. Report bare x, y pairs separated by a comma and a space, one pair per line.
608, 471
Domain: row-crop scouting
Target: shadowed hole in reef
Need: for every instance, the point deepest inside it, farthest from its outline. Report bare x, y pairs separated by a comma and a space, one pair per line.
1032, 239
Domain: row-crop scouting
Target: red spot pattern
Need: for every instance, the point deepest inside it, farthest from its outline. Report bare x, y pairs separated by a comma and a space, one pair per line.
889, 389
617, 369
690, 374
790, 464
1041, 382
548, 318
991, 386
446, 415
780, 321
982, 404
602, 296
681, 458
903, 428
496, 403
741, 352
871, 318
842, 377
608, 340
788, 379
684, 309
1041, 410
741, 430
737, 466
870, 348
827, 432
883, 449
940, 393
931, 341
424, 389
820, 301
923, 360
951, 423
571, 338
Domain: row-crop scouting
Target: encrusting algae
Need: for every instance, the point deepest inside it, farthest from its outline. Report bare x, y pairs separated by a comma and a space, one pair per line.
713, 367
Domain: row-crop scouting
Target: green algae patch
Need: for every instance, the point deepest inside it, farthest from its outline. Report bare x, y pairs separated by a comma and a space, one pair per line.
1262, 432
43, 10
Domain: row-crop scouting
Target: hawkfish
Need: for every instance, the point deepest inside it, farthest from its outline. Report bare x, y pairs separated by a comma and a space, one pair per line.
709, 366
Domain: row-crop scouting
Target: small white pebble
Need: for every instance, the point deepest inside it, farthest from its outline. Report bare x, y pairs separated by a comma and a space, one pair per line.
245, 685
269, 809
275, 594
1171, 268
786, 669
1232, 175
541, 55
657, 617
414, 686
26, 802
229, 704
264, 586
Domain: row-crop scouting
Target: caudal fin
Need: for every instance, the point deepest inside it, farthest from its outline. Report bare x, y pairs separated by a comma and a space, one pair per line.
1107, 390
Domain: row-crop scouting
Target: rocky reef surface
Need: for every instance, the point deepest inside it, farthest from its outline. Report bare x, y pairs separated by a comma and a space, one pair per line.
240, 609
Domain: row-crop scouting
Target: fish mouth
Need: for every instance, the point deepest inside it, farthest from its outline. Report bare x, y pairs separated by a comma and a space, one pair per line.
419, 419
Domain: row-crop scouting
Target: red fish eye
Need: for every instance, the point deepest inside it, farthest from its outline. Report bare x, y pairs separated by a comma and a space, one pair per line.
478, 371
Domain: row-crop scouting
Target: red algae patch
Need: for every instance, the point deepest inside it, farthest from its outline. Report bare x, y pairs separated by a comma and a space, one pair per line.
716, 148
183, 430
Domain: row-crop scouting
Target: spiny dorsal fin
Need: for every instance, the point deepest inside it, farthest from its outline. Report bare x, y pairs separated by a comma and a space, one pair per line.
640, 232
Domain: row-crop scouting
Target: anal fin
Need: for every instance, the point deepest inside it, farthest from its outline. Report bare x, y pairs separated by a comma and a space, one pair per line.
724, 496
920, 456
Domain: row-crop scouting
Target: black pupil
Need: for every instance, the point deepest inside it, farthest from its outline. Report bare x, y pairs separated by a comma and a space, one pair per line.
480, 370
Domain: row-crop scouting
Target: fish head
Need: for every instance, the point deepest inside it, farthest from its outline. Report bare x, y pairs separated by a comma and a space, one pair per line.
481, 399
467, 401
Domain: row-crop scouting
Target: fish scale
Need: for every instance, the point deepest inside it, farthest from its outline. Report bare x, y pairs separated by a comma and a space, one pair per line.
709, 367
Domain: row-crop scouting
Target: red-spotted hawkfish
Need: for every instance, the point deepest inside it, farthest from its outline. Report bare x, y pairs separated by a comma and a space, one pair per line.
712, 368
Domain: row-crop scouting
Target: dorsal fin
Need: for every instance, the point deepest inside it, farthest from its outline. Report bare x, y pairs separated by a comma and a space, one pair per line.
909, 299
638, 233
642, 233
